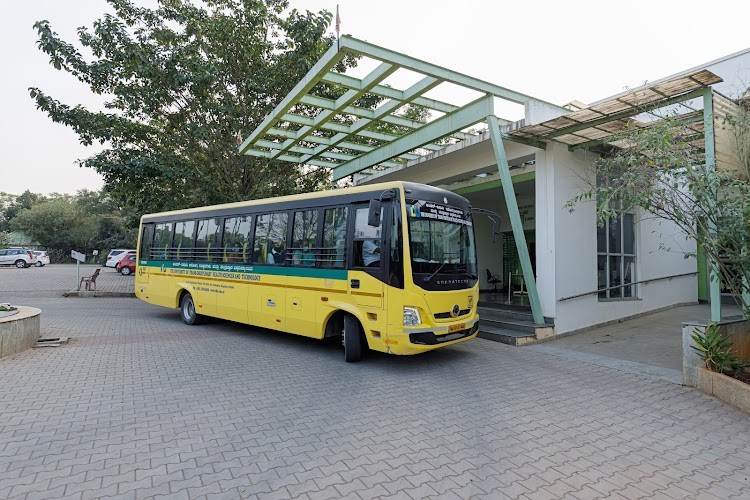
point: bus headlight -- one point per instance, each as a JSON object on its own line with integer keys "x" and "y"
{"x": 411, "y": 316}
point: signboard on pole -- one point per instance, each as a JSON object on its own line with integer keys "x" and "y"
{"x": 78, "y": 256}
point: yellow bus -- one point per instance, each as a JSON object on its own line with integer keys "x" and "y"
{"x": 387, "y": 266}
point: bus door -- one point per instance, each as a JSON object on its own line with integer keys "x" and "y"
{"x": 367, "y": 267}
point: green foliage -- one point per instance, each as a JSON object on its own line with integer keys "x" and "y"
{"x": 56, "y": 223}
{"x": 716, "y": 350}
{"x": 11, "y": 205}
{"x": 87, "y": 221}
{"x": 660, "y": 169}
{"x": 185, "y": 81}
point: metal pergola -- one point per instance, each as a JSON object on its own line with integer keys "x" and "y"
{"x": 325, "y": 122}
{"x": 322, "y": 122}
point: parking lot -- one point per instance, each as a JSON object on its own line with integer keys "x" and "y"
{"x": 139, "y": 405}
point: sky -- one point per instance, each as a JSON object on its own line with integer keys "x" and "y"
{"x": 549, "y": 49}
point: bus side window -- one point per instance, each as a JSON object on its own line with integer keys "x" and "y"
{"x": 333, "y": 251}
{"x": 270, "y": 238}
{"x": 367, "y": 240}
{"x": 147, "y": 238}
{"x": 162, "y": 241}
{"x": 208, "y": 239}
{"x": 183, "y": 240}
{"x": 237, "y": 234}
{"x": 304, "y": 251}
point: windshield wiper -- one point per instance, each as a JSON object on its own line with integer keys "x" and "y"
{"x": 428, "y": 278}
{"x": 465, "y": 269}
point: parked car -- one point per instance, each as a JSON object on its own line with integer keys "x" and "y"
{"x": 127, "y": 265}
{"x": 114, "y": 257}
{"x": 42, "y": 259}
{"x": 19, "y": 257}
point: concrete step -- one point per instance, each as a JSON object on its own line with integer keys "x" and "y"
{"x": 512, "y": 314}
{"x": 505, "y": 336}
{"x": 509, "y": 326}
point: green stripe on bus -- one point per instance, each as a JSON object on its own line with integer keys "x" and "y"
{"x": 224, "y": 267}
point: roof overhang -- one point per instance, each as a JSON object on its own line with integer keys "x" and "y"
{"x": 601, "y": 122}
{"x": 324, "y": 122}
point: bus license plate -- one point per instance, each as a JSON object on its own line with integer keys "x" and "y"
{"x": 455, "y": 328}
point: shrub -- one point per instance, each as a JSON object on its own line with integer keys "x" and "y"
{"x": 716, "y": 350}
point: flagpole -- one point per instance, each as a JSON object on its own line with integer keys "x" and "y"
{"x": 338, "y": 28}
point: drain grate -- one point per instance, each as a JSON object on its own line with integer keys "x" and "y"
{"x": 51, "y": 341}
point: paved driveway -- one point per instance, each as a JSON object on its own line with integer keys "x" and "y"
{"x": 139, "y": 405}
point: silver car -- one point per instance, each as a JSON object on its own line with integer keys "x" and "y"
{"x": 19, "y": 257}
{"x": 42, "y": 259}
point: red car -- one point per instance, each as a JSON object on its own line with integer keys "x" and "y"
{"x": 126, "y": 265}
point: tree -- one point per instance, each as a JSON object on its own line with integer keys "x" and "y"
{"x": 185, "y": 82}
{"x": 12, "y": 205}
{"x": 661, "y": 169}
{"x": 57, "y": 223}
{"x": 89, "y": 220}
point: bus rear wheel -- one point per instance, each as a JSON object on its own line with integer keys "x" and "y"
{"x": 352, "y": 340}
{"x": 187, "y": 310}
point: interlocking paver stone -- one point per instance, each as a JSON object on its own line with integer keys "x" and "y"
{"x": 139, "y": 405}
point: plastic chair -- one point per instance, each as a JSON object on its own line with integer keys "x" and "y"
{"x": 89, "y": 281}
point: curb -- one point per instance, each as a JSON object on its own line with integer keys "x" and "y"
{"x": 83, "y": 294}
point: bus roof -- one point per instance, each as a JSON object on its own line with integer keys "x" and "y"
{"x": 299, "y": 197}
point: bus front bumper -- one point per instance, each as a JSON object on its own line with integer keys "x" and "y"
{"x": 414, "y": 341}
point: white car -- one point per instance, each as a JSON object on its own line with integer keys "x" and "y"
{"x": 42, "y": 259}
{"x": 19, "y": 257}
{"x": 116, "y": 255}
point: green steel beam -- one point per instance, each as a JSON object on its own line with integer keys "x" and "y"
{"x": 289, "y": 158}
{"x": 389, "y": 92}
{"x": 294, "y": 159}
{"x": 515, "y": 219}
{"x": 304, "y": 150}
{"x": 702, "y": 273}
{"x": 464, "y": 117}
{"x": 714, "y": 284}
{"x": 377, "y": 75}
{"x": 369, "y": 114}
{"x": 369, "y": 50}
{"x": 422, "y": 86}
{"x": 622, "y": 114}
{"x": 328, "y": 61}
{"x": 290, "y": 134}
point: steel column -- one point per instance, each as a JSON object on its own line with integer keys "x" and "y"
{"x": 714, "y": 283}
{"x": 515, "y": 219}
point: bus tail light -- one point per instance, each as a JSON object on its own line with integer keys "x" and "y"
{"x": 411, "y": 316}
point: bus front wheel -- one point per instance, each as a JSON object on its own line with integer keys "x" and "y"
{"x": 187, "y": 310}
{"x": 352, "y": 340}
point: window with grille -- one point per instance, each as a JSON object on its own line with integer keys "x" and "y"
{"x": 616, "y": 258}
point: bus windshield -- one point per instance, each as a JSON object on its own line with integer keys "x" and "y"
{"x": 443, "y": 252}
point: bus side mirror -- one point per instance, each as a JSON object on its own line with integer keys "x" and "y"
{"x": 373, "y": 213}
